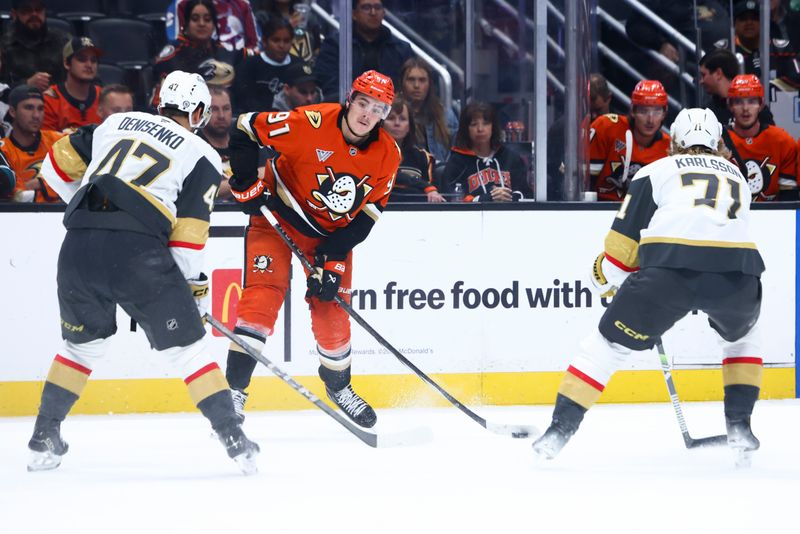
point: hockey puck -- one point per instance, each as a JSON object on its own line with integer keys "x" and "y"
{"x": 522, "y": 434}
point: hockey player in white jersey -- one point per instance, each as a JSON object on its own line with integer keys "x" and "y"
{"x": 140, "y": 190}
{"x": 679, "y": 242}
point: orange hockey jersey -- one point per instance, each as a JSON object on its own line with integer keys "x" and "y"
{"x": 322, "y": 182}
{"x": 770, "y": 155}
{"x": 62, "y": 112}
{"x": 607, "y": 151}
{"x": 27, "y": 163}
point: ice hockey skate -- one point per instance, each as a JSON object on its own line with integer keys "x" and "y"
{"x": 239, "y": 399}
{"x": 240, "y": 449}
{"x": 47, "y": 447}
{"x": 353, "y": 406}
{"x": 550, "y": 443}
{"x": 742, "y": 441}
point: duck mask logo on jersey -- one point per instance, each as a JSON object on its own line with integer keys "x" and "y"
{"x": 339, "y": 194}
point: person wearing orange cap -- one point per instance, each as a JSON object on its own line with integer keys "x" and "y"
{"x": 766, "y": 154}
{"x": 619, "y": 146}
{"x": 327, "y": 186}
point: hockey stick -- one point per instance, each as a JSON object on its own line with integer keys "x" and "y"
{"x": 411, "y": 437}
{"x": 516, "y": 431}
{"x": 691, "y": 443}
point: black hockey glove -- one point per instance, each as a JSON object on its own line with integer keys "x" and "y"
{"x": 325, "y": 278}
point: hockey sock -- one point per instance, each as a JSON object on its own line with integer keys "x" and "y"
{"x": 209, "y": 391}
{"x": 580, "y": 388}
{"x": 64, "y": 385}
{"x": 334, "y": 367}
{"x": 742, "y": 380}
{"x": 240, "y": 365}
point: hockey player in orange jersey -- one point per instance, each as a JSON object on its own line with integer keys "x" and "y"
{"x": 327, "y": 186}
{"x": 619, "y": 146}
{"x": 766, "y": 154}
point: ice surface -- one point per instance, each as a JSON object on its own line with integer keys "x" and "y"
{"x": 625, "y": 471}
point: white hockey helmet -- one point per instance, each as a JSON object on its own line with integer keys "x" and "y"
{"x": 696, "y": 126}
{"x": 185, "y": 91}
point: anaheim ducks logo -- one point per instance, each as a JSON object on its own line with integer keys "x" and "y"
{"x": 759, "y": 176}
{"x": 34, "y": 168}
{"x": 339, "y": 194}
{"x": 261, "y": 264}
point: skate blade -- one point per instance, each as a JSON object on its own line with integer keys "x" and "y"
{"x": 743, "y": 458}
{"x": 542, "y": 455}
{"x": 247, "y": 463}
{"x": 43, "y": 461}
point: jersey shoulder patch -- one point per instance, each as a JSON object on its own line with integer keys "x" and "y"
{"x": 314, "y": 117}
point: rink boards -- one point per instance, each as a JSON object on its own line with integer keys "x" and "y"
{"x": 491, "y": 304}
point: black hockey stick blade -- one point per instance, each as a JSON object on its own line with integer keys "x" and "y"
{"x": 515, "y": 431}
{"x": 690, "y": 442}
{"x": 710, "y": 441}
{"x": 414, "y": 436}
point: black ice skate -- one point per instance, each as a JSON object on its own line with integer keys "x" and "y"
{"x": 550, "y": 443}
{"x": 239, "y": 398}
{"x": 353, "y": 406}
{"x": 242, "y": 450}
{"x": 741, "y": 440}
{"x": 46, "y": 446}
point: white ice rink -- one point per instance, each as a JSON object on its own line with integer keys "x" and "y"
{"x": 626, "y": 471}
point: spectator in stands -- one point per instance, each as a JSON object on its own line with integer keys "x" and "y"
{"x": 374, "y": 48}
{"x": 785, "y": 22}
{"x": 766, "y": 154}
{"x": 114, "y": 98}
{"x": 414, "y": 179}
{"x": 197, "y": 48}
{"x": 300, "y": 88}
{"x": 712, "y": 19}
{"x": 485, "y": 168}
{"x": 31, "y": 53}
{"x": 784, "y": 69}
{"x": 217, "y": 133}
{"x": 435, "y": 125}
{"x": 717, "y": 69}
{"x": 235, "y": 24}
{"x": 599, "y": 104}
{"x": 259, "y": 78}
{"x": 306, "y": 30}
{"x": 619, "y": 146}
{"x": 73, "y": 103}
{"x": 28, "y": 144}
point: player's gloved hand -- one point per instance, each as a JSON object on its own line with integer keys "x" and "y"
{"x": 251, "y": 194}
{"x": 199, "y": 287}
{"x": 606, "y": 276}
{"x": 325, "y": 278}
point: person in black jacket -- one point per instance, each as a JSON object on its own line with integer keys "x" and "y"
{"x": 196, "y": 49}
{"x": 259, "y": 79}
{"x": 414, "y": 181}
{"x": 31, "y": 52}
{"x": 717, "y": 69}
{"x": 486, "y": 170}
{"x": 374, "y": 48}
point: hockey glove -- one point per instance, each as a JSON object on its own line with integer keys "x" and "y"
{"x": 325, "y": 278}
{"x": 606, "y": 276}
{"x": 199, "y": 287}
{"x": 251, "y": 197}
